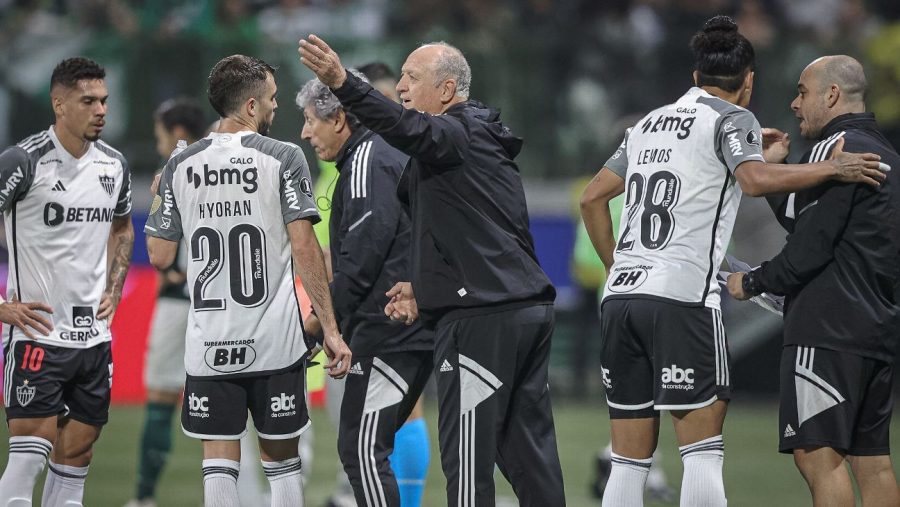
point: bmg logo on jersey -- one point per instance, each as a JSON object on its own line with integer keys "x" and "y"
{"x": 83, "y": 316}
{"x": 225, "y": 176}
{"x": 283, "y": 405}
{"x": 627, "y": 278}
{"x": 677, "y": 378}
{"x": 198, "y": 406}
{"x": 230, "y": 359}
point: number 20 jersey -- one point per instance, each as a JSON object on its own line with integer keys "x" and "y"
{"x": 681, "y": 198}
{"x": 230, "y": 196}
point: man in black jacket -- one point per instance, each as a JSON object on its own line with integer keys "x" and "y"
{"x": 475, "y": 277}
{"x": 369, "y": 253}
{"x": 840, "y": 271}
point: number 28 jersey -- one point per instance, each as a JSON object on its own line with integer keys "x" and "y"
{"x": 681, "y": 198}
{"x": 230, "y": 196}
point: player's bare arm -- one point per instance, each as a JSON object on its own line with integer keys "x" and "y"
{"x": 119, "y": 248}
{"x": 310, "y": 265}
{"x": 760, "y": 178}
{"x": 161, "y": 252}
{"x": 605, "y": 186}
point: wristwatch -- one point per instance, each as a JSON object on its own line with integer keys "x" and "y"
{"x": 751, "y": 284}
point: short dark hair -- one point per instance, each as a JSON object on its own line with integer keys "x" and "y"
{"x": 723, "y": 57}
{"x": 376, "y": 71}
{"x": 184, "y": 112}
{"x": 235, "y": 79}
{"x": 71, "y": 70}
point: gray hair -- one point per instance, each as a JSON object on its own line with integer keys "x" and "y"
{"x": 451, "y": 64}
{"x": 315, "y": 93}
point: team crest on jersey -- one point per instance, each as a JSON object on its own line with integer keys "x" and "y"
{"x": 753, "y": 138}
{"x": 108, "y": 183}
{"x": 25, "y": 393}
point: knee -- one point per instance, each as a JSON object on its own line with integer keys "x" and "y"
{"x": 817, "y": 462}
{"x": 77, "y": 456}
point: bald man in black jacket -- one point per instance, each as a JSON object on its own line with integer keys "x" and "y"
{"x": 839, "y": 272}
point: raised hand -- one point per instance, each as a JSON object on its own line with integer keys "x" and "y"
{"x": 776, "y": 145}
{"x": 857, "y": 167}
{"x": 322, "y": 60}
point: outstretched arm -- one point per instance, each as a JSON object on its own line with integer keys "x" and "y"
{"x": 438, "y": 140}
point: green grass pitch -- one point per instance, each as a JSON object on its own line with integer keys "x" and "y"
{"x": 755, "y": 474}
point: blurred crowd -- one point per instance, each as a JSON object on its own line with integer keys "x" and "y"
{"x": 570, "y": 75}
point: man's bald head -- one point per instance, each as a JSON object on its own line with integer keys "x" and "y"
{"x": 843, "y": 71}
{"x": 829, "y": 87}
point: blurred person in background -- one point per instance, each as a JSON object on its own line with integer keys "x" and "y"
{"x": 245, "y": 348}
{"x": 174, "y": 120}
{"x": 475, "y": 278}
{"x": 66, "y": 201}
{"x": 683, "y": 168}
{"x": 369, "y": 234}
{"x": 840, "y": 273}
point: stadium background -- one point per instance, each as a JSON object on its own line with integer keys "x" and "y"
{"x": 569, "y": 75}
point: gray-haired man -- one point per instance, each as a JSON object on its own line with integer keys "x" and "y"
{"x": 370, "y": 236}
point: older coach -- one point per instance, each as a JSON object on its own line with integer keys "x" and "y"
{"x": 475, "y": 277}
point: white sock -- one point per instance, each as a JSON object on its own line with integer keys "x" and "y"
{"x": 64, "y": 486}
{"x": 220, "y": 483}
{"x": 285, "y": 481}
{"x": 626, "y": 482}
{"x": 702, "y": 484}
{"x": 27, "y": 456}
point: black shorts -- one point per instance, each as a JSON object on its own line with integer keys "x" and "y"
{"x": 216, "y": 408}
{"x": 661, "y": 356}
{"x": 41, "y": 380}
{"x": 834, "y": 399}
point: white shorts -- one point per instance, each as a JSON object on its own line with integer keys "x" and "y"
{"x": 164, "y": 368}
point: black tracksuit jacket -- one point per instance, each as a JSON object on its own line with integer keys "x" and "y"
{"x": 841, "y": 265}
{"x": 370, "y": 247}
{"x": 472, "y": 252}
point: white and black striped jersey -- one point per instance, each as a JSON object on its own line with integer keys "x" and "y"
{"x": 230, "y": 196}
{"x": 58, "y": 211}
{"x": 681, "y": 198}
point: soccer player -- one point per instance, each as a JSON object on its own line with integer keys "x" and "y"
{"x": 683, "y": 168}
{"x": 475, "y": 277}
{"x": 839, "y": 272}
{"x": 66, "y": 201}
{"x": 243, "y": 203}
{"x": 370, "y": 236}
{"x": 174, "y": 120}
